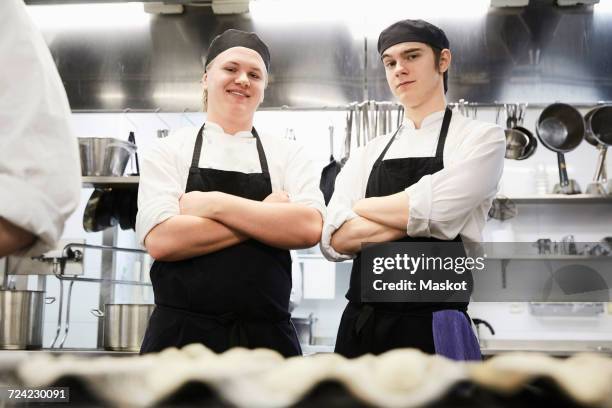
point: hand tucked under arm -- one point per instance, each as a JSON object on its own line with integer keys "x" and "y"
{"x": 274, "y": 222}
{"x": 13, "y": 238}
{"x": 185, "y": 236}
{"x": 349, "y": 237}
{"x": 392, "y": 211}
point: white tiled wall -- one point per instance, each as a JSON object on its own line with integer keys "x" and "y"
{"x": 585, "y": 222}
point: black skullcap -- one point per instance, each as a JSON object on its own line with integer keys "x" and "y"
{"x": 237, "y": 38}
{"x": 414, "y": 31}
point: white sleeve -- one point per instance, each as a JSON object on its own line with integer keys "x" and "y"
{"x": 440, "y": 202}
{"x": 348, "y": 189}
{"x": 40, "y": 178}
{"x": 301, "y": 179}
{"x": 160, "y": 187}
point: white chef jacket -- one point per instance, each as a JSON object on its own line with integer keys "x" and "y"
{"x": 453, "y": 201}
{"x": 165, "y": 167}
{"x": 39, "y": 162}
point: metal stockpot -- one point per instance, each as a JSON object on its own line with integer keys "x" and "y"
{"x": 124, "y": 325}
{"x": 21, "y": 318}
{"x": 104, "y": 156}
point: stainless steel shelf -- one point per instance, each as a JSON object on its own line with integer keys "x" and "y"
{"x": 102, "y": 182}
{"x": 560, "y": 199}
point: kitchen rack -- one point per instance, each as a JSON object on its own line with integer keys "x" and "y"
{"x": 106, "y": 281}
{"x": 559, "y": 199}
{"x": 342, "y": 108}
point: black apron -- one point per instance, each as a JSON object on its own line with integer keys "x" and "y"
{"x": 238, "y": 296}
{"x": 379, "y": 327}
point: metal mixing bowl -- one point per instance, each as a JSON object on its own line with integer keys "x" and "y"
{"x": 104, "y": 156}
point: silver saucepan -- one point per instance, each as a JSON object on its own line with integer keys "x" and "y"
{"x": 560, "y": 128}
{"x": 598, "y": 122}
{"x": 520, "y": 142}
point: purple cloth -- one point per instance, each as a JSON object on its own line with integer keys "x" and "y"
{"x": 453, "y": 336}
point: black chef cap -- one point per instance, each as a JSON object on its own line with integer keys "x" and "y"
{"x": 237, "y": 38}
{"x": 413, "y": 31}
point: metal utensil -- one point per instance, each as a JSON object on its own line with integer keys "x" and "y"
{"x": 560, "y": 128}
{"x": 358, "y": 124}
{"x": 347, "y": 136}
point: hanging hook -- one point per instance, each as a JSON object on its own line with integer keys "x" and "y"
{"x": 125, "y": 114}
{"x": 160, "y": 118}
{"x": 187, "y": 117}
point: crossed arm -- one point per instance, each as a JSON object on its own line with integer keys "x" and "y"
{"x": 211, "y": 221}
{"x": 380, "y": 219}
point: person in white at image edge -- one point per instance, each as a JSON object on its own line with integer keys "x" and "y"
{"x": 39, "y": 163}
{"x": 219, "y": 207}
{"x": 435, "y": 182}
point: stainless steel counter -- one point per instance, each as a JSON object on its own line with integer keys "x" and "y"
{"x": 489, "y": 348}
{"x": 553, "y": 347}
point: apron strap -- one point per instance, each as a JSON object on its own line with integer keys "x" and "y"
{"x": 382, "y": 155}
{"x": 263, "y": 162}
{"x": 441, "y": 139}
{"x": 443, "y": 132}
{"x": 197, "y": 151}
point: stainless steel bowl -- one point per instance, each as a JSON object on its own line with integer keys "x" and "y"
{"x": 104, "y": 156}
{"x": 124, "y": 325}
{"x": 21, "y": 317}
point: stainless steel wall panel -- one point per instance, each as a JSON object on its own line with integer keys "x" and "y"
{"x": 536, "y": 54}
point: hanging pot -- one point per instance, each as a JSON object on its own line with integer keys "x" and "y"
{"x": 560, "y": 128}
{"x": 520, "y": 142}
{"x": 598, "y": 133}
{"x": 124, "y": 325}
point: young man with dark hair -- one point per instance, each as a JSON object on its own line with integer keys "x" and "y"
{"x": 432, "y": 180}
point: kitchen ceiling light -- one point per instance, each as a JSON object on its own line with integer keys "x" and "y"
{"x": 570, "y": 3}
{"x": 162, "y": 8}
{"x": 230, "y": 6}
{"x": 509, "y": 3}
